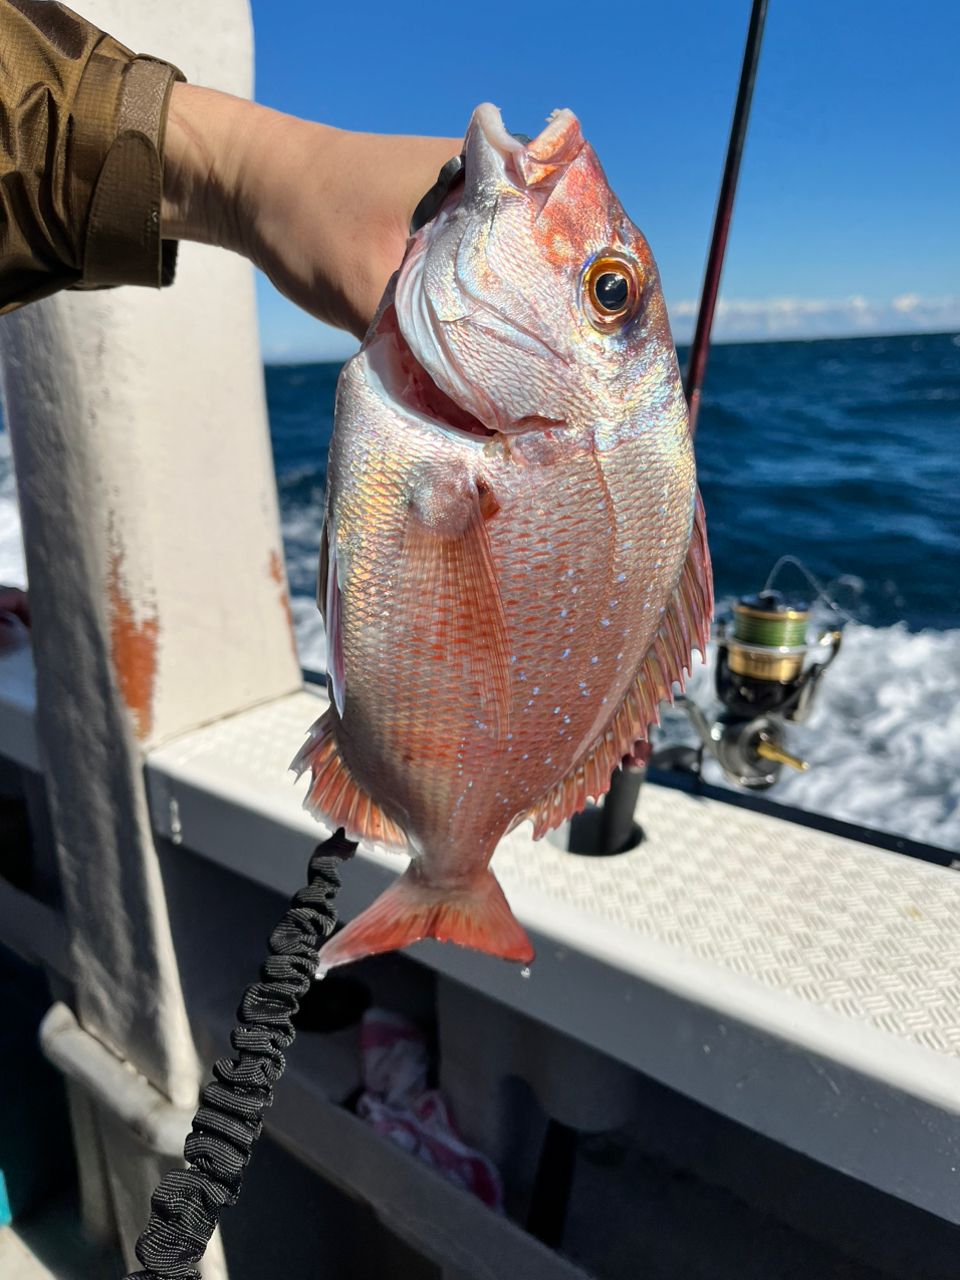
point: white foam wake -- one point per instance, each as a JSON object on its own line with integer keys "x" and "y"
{"x": 311, "y": 640}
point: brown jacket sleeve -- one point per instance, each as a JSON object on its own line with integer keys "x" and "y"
{"x": 81, "y": 140}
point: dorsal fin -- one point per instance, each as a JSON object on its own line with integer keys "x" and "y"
{"x": 335, "y": 796}
{"x": 685, "y": 627}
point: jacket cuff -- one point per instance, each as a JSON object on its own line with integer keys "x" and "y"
{"x": 116, "y": 169}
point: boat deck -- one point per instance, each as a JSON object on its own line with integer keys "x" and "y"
{"x": 800, "y": 983}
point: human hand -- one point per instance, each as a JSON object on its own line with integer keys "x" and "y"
{"x": 324, "y": 213}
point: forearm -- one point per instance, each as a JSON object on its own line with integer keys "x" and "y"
{"x": 211, "y": 139}
{"x": 322, "y": 211}
{"x": 99, "y": 190}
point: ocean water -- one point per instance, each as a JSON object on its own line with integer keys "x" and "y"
{"x": 845, "y": 454}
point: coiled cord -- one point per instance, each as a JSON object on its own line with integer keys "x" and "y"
{"x": 186, "y": 1206}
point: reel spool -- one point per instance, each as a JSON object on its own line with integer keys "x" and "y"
{"x": 764, "y": 680}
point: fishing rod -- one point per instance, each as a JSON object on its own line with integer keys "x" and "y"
{"x": 617, "y": 830}
{"x": 697, "y": 363}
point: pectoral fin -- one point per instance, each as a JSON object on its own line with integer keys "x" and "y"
{"x": 454, "y": 602}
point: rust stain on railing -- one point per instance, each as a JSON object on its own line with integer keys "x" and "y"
{"x": 133, "y": 648}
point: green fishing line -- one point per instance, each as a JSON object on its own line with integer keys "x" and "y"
{"x": 783, "y": 631}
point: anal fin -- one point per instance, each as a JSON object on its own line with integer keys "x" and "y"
{"x": 335, "y": 795}
{"x": 476, "y": 916}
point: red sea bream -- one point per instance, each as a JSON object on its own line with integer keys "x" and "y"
{"x": 514, "y": 567}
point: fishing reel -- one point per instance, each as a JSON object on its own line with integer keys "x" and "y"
{"x": 764, "y": 680}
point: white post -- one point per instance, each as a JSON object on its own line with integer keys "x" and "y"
{"x": 155, "y": 562}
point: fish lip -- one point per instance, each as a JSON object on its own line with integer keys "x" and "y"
{"x": 491, "y": 128}
{"x": 522, "y": 163}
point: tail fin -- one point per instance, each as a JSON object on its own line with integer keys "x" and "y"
{"x": 478, "y": 916}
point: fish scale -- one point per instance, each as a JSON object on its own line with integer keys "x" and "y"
{"x": 514, "y": 566}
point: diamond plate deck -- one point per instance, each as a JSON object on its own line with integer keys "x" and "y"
{"x": 870, "y": 936}
{"x": 741, "y": 905}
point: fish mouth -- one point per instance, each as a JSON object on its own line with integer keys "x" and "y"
{"x": 532, "y": 164}
{"x": 411, "y": 387}
{"x": 487, "y": 124}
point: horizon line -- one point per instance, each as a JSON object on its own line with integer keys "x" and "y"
{"x": 280, "y": 362}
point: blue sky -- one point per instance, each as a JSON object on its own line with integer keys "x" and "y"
{"x": 847, "y": 212}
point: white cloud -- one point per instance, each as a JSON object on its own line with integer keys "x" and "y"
{"x": 299, "y": 338}
{"x": 740, "y": 319}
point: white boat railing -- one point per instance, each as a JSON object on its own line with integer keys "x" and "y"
{"x": 149, "y": 512}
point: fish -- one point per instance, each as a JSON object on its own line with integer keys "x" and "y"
{"x": 514, "y": 568}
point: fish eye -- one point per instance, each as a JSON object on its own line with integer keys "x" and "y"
{"x": 612, "y": 291}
